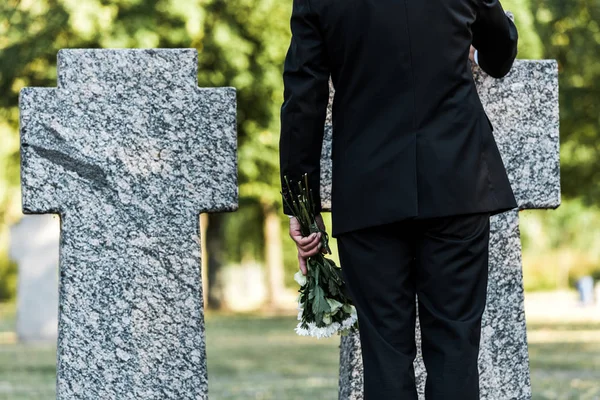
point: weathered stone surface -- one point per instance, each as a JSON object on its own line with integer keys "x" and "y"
{"x": 523, "y": 108}
{"x": 34, "y": 246}
{"x": 128, "y": 150}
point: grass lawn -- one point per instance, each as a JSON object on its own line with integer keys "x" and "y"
{"x": 268, "y": 361}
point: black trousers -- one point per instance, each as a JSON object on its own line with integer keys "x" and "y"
{"x": 444, "y": 261}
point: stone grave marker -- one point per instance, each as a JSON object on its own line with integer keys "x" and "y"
{"x": 128, "y": 150}
{"x": 34, "y": 246}
{"x": 523, "y": 108}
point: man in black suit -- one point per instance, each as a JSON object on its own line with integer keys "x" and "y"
{"x": 416, "y": 173}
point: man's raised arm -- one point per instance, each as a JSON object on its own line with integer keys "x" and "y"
{"x": 495, "y": 37}
{"x": 304, "y": 109}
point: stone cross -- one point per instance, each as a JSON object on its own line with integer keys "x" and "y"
{"x": 128, "y": 150}
{"x": 523, "y": 108}
{"x": 34, "y": 246}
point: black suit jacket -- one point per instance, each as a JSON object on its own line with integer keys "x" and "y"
{"x": 410, "y": 135}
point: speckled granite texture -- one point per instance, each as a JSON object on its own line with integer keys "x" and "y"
{"x": 523, "y": 108}
{"x": 128, "y": 150}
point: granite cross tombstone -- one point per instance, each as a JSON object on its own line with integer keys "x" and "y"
{"x": 523, "y": 108}
{"x": 128, "y": 150}
{"x": 34, "y": 245}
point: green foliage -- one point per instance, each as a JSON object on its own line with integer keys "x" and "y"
{"x": 530, "y": 45}
{"x": 27, "y": 52}
{"x": 240, "y": 248}
{"x": 241, "y": 43}
{"x": 570, "y": 33}
{"x": 561, "y": 245}
{"x": 244, "y": 46}
{"x": 8, "y": 278}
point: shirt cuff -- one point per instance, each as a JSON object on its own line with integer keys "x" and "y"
{"x": 291, "y": 216}
{"x": 475, "y": 56}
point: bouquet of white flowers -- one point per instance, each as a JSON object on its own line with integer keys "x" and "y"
{"x": 324, "y": 307}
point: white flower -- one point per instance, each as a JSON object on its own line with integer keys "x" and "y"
{"x": 330, "y": 328}
{"x": 300, "y": 278}
{"x": 348, "y": 322}
{"x": 301, "y": 331}
{"x": 324, "y": 332}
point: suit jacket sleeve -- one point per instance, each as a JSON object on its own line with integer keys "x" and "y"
{"x": 304, "y": 109}
{"x": 495, "y": 37}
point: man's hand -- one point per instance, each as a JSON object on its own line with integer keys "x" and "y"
{"x": 307, "y": 246}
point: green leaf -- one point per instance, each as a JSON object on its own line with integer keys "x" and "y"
{"x": 319, "y": 304}
{"x": 333, "y": 288}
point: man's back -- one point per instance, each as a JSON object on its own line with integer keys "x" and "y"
{"x": 410, "y": 137}
{"x": 401, "y": 60}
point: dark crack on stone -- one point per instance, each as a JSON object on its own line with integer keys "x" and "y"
{"x": 87, "y": 171}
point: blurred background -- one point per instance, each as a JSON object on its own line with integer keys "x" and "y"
{"x": 248, "y": 278}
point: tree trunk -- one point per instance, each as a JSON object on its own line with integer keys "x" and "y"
{"x": 204, "y": 255}
{"x": 214, "y": 260}
{"x": 273, "y": 257}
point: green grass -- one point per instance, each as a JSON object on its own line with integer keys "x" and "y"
{"x": 565, "y": 370}
{"x": 248, "y": 358}
{"x": 268, "y": 361}
{"x": 262, "y": 358}
{"x": 27, "y": 372}
{"x": 564, "y": 326}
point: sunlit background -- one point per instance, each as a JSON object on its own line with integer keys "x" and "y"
{"x": 253, "y": 352}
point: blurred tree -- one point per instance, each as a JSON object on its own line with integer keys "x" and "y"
{"x": 530, "y": 44}
{"x": 559, "y": 244}
{"x": 31, "y": 33}
{"x": 242, "y": 43}
{"x": 27, "y": 52}
{"x": 570, "y": 33}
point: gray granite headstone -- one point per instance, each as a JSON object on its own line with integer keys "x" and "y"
{"x": 523, "y": 108}
{"x": 34, "y": 246}
{"x": 128, "y": 150}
